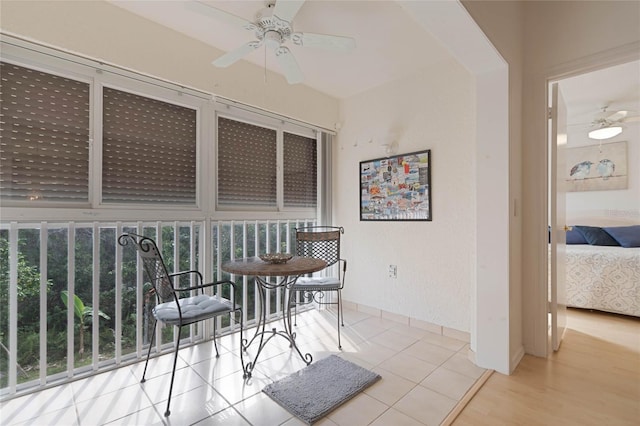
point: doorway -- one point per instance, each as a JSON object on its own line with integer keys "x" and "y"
{"x": 608, "y": 96}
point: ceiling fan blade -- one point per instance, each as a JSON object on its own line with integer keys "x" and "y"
{"x": 631, "y": 119}
{"x": 219, "y": 14}
{"x": 287, "y": 9}
{"x": 289, "y": 65}
{"x": 324, "y": 41}
{"x": 618, "y": 115}
{"x": 233, "y": 56}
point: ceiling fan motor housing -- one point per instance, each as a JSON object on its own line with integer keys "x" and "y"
{"x": 267, "y": 24}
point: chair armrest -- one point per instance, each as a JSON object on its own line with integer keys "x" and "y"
{"x": 177, "y": 274}
{"x": 344, "y": 269}
{"x": 212, "y": 284}
{"x": 181, "y": 273}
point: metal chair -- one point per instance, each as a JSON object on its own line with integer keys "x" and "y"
{"x": 179, "y": 306}
{"x": 322, "y": 242}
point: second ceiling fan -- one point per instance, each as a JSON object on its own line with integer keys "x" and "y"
{"x": 273, "y": 28}
{"x": 608, "y": 124}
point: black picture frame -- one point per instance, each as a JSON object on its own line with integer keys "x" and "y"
{"x": 396, "y": 188}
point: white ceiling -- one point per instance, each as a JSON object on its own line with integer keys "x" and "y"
{"x": 390, "y": 45}
{"x": 617, "y": 88}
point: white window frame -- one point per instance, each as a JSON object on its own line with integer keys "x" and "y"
{"x": 73, "y": 74}
{"x": 280, "y": 126}
{"x": 158, "y": 94}
{"x": 98, "y": 75}
{"x": 70, "y": 66}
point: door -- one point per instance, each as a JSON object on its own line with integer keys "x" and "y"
{"x": 557, "y": 217}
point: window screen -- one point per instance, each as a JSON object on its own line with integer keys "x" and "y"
{"x": 149, "y": 150}
{"x": 300, "y": 171}
{"x": 246, "y": 164}
{"x": 44, "y": 136}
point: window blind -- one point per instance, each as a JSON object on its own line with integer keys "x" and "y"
{"x": 149, "y": 150}
{"x": 44, "y": 136}
{"x": 247, "y": 164}
{"x": 300, "y": 171}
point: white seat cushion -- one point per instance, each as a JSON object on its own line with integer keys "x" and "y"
{"x": 193, "y": 309}
{"x": 317, "y": 283}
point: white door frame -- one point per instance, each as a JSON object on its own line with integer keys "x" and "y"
{"x": 595, "y": 62}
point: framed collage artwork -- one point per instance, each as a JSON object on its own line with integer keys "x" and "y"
{"x": 396, "y": 188}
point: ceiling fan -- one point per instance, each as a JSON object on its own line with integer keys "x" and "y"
{"x": 273, "y": 28}
{"x": 608, "y": 124}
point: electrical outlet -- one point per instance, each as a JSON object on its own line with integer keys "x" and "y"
{"x": 393, "y": 271}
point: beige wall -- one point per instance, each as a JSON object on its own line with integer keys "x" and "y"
{"x": 102, "y": 31}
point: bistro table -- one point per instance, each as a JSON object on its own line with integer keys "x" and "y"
{"x": 287, "y": 274}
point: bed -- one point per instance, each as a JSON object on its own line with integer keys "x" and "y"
{"x": 606, "y": 278}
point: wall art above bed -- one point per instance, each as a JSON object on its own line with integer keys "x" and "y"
{"x": 597, "y": 167}
{"x": 396, "y": 188}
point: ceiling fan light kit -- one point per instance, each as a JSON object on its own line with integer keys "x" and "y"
{"x": 605, "y": 132}
{"x": 273, "y": 29}
{"x": 610, "y": 124}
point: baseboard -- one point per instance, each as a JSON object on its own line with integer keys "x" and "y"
{"x": 516, "y": 358}
{"x": 412, "y": 322}
{"x": 471, "y": 355}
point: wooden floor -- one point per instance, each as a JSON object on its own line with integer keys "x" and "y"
{"x": 593, "y": 380}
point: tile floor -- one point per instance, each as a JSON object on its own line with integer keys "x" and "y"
{"x": 424, "y": 375}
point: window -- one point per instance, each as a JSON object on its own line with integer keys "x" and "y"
{"x": 149, "y": 150}
{"x": 248, "y": 165}
{"x": 148, "y": 146}
{"x": 78, "y": 134}
{"x": 300, "y": 171}
{"x": 44, "y": 136}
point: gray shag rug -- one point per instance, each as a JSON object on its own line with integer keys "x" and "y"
{"x": 320, "y": 387}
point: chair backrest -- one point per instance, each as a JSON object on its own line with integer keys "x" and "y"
{"x": 321, "y": 242}
{"x": 153, "y": 264}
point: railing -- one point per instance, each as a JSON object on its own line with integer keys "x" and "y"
{"x": 44, "y": 265}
